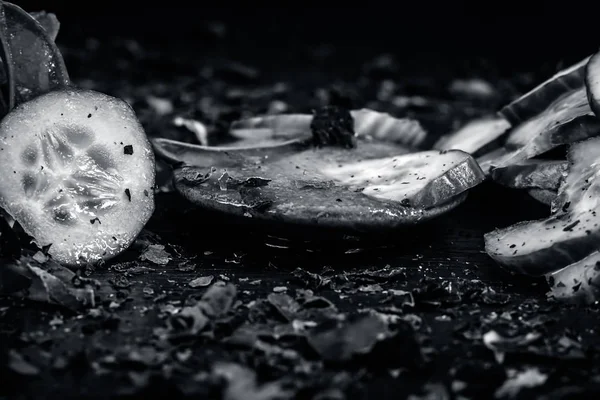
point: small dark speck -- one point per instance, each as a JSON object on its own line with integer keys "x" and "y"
{"x": 145, "y": 193}
{"x": 114, "y": 238}
{"x": 512, "y": 246}
{"x": 128, "y": 193}
{"x": 96, "y": 108}
{"x": 95, "y": 220}
{"x": 128, "y": 149}
{"x": 338, "y": 200}
{"x": 570, "y": 226}
{"x": 89, "y": 115}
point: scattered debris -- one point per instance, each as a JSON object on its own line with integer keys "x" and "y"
{"x": 518, "y": 380}
{"x": 156, "y": 254}
{"x": 201, "y": 281}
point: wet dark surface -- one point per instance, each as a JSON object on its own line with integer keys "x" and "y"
{"x": 421, "y": 304}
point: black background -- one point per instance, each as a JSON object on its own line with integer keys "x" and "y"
{"x": 507, "y": 32}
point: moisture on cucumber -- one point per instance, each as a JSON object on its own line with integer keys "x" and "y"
{"x": 577, "y": 283}
{"x": 476, "y": 137}
{"x": 78, "y": 174}
{"x": 540, "y": 174}
{"x": 540, "y": 97}
{"x": 571, "y": 233}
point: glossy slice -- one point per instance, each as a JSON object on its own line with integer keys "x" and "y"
{"x": 567, "y": 120}
{"x": 571, "y": 233}
{"x": 36, "y": 63}
{"x": 78, "y": 174}
{"x": 538, "y": 99}
{"x": 540, "y": 174}
{"x": 475, "y": 137}
{"x": 374, "y": 186}
{"x": 577, "y": 283}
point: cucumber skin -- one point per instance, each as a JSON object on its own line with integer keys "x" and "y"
{"x": 593, "y": 100}
{"x": 547, "y": 176}
{"x": 543, "y": 261}
{"x": 540, "y": 97}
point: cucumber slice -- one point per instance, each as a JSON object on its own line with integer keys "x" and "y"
{"x": 567, "y": 120}
{"x": 582, "y": 158}
{"x": 567, "y": 236}
{"x": 541, "y": 174}
{"x": 592, "y": 82}
{"x": 476, "y": 137}
{"x": 273, "y": 129}
{"x": 423, "y": 180}
{"x": 36, "y": 63}
{"x": 78, "y": 174}
{"x": 373, "y": 186}
{"x": 577, "y": 283}
{"x": 539, "y": 98}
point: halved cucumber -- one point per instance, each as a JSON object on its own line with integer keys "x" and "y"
{"x": 570, "y": 234}
{"x": 78, "y": 174}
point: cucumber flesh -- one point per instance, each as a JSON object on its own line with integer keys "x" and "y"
{"x": 373, "y": 186}
{"x": 540, "y": 97}
{"x": 79, "y": 174}
{"x": 577, "y": 283}
{"x": 273, "y": 129}
{"x": 424, "y": 179}
{"x": 540, "y": 174}
{"x": 567, "y": 120}
{"x": 570, "y": 234}
{"x": 476, "y": 136}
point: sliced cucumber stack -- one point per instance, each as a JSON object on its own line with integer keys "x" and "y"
{"x": 567, "y": 236}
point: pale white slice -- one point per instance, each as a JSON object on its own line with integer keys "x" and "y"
{"x": 78, "y": 174}
{"x": 422, "y": 179}
{"x": 570, "y": 234}
{"x": 577, "y": 283}
{"x": 474, "y": 135}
